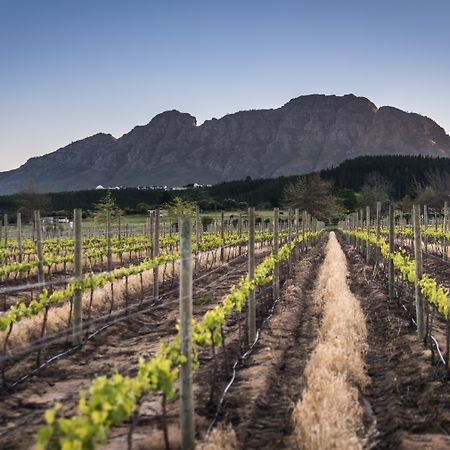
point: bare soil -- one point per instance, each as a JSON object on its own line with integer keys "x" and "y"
{"x": 117, "y": 348}
{"x": 261, "y": 400}
{"x": 269, "y": 377}
{"x": 406, "y": 403}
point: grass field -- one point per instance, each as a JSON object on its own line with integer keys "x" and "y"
{"x": 140, "y": 219}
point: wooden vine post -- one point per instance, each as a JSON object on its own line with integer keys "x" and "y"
{"x": 19, "y": 236}
{"x": 419, "y": 273}
{"x": 77, "y": 326}
{"x": 150, "y": 230}
{"x": 368, "y": 233}
{"x": 444, "y": 229}
{"x": 297, "y": 228}
{"x": 378, "y": 229}
{"x": 351, "y": 219}
{"x": 222, "y": 235}
{"x": 290, "y": 238}
{"x": 391, "y": 250}
{"x": 108, "y": 240}
{"x": 5, "y": 224}
{"x": 119, "y": 227}
{"x": 251, "y": 275}
{"x": 41, "y": 278}
{"x": 304, "y": 246}
{"x": 276, "y": 270}
{"x": 198, "y": 225}
{"x": 40, "y": 254}
{"x": 156, "y": 254}
{"x": 425, "y": 226}
{"x": 240, "y": 231}
{"x": 187, "y": 424}
{"x": 361, "y": 218}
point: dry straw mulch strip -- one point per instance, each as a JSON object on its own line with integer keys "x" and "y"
{"x": 329, "y": 415}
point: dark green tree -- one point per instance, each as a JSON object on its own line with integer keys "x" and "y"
{"x": 348, "y": 199}
{"x": 180, "y": 207}
{"x": 312, "y": 194}
{"x": 105, "y": 205}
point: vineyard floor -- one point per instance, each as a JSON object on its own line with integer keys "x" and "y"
{"x": 118, "y": 347}
{"x": 272, "y": 379}
{"x": 275, "y": 358}
{"x": 407, "y": 402}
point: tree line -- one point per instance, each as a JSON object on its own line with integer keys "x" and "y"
{"x": 329, "y": 193}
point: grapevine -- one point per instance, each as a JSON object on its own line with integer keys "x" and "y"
{"x": 110, "y": 401}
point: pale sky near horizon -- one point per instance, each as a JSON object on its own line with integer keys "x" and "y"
{"x": 72, "y": 69}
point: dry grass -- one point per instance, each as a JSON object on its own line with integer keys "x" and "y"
{"x": 153, "y": 440}
{"x": 103, "y": 262}
{"x": 329, "y": 415}
{"x": 28, "y": 330}
{"x": 219, "y": 439}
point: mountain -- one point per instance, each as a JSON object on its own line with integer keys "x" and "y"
{"x": 308, "y": 133}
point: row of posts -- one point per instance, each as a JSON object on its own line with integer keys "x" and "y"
{"x": 357, "y": 221}
{"x": 187, "y": 416}
{"x": 222, "y": 224}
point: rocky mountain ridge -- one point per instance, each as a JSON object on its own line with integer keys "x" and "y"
{"x": 306, "y": 134}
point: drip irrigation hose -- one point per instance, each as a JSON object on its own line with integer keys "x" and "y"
{"x": 238, "y": 362}
{"x": 120, "y": 319}
{"x": 435, "y": 342}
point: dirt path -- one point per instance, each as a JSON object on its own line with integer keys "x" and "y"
{"x": 260, "y": 403}
{"x": 407, "y": 400}
{"x": 329, "y": 415}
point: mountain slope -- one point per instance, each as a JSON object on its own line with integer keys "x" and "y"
{"x": 308, "y": 133}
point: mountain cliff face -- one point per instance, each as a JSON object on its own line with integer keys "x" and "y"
{"x": 308, "y": 133}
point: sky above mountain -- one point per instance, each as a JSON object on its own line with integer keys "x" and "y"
{"x": 72, "y": 69}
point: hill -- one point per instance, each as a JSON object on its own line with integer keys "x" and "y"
{"x": 402, "y": 173}
{"x": 307, "y": 134}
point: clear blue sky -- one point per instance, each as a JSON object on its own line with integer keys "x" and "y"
{"x": 70, "y": 69}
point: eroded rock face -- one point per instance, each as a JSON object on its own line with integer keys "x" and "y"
{"x": 308, "y": 133}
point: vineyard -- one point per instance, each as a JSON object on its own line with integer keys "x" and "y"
{"x": 241, "y": 334}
